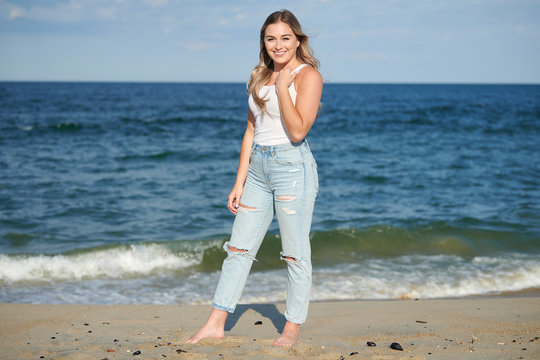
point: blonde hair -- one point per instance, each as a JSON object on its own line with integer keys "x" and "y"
{"x": 263, "y": 71}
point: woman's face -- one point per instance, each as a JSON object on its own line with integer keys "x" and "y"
{"x": 280, "y": 43}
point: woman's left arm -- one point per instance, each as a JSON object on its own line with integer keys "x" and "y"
{"x": 299, "y": 119}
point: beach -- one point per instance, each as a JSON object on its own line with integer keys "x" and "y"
{"x": 472, "y": 328}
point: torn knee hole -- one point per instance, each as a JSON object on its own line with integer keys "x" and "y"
{"x": 235, "y": 249}
{"x": 287, "y": 257}
{"x": 285, "y": 197}
{"x": 295, "y": 262}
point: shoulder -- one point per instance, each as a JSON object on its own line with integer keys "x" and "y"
{"x": 308, "y": 77}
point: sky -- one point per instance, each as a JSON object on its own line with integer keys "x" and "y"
{"x": 363, "y": 41}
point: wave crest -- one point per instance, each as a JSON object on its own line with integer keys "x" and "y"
{"x": 115, "y": 263}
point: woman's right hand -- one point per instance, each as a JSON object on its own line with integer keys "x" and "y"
{"x": 234, "y": 198}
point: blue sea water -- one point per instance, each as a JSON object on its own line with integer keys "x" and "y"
{"x": 116, "y": 192}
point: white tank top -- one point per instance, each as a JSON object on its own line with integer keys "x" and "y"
{"x": 269, "y": 128}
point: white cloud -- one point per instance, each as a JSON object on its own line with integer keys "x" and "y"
{"x": 16, "y": 12}
{"x": 10, "y": 11}
{"x": 63, "y": 12}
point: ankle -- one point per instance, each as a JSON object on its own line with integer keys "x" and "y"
{"x": 217, "y": 318}
{"x": 289, "y": 326}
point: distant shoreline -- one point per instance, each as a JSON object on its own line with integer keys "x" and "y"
{"x": 243, "y": 83}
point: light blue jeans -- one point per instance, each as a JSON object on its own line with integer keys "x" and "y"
{"x": 282, "y": 180}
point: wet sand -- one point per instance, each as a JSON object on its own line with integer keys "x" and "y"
{"x": 482, "y": 328}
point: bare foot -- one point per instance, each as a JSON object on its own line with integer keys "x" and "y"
{"x": 214, "y": 327}
{"x": 207, "y": 332}
{"x": 289, "y": 335}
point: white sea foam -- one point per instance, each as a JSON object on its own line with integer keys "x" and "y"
{"x": 427, "y": 277}
{"x": 148, "y": 274}
{"x": 116, "y": 263}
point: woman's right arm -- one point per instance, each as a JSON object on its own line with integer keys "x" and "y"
{"x": 243, "y": 165}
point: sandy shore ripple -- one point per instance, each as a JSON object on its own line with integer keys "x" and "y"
{"x": 484, "y": 328}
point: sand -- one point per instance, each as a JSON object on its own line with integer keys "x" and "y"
{"x": 480, "y": 328}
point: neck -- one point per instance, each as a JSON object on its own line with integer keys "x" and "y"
{"x": 292, "y": 64}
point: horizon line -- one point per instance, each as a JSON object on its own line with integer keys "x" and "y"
{"x": 240, "y": 82}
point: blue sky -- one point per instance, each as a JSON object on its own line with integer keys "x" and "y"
{"x": 452, "y": 41}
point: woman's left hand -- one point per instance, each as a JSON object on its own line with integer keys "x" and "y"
{"x": 285, "y": 78}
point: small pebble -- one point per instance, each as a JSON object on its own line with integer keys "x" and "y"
{"x": 341, "y": 358}
{"x": 258, "y": 322}
{"x": 115, "y": 340}
{"x": 396, "y": 346}
{"x": 353, "y": 353}
{"x": 53, "y": 337}
{"x": 111, "y": 350}
{"x": 179, "y": 351}
{"x": 371, "y": 343}
{"x": 86, "y": 324}
{"x": 138, "y": 352}
{"x": 524, "y": 349}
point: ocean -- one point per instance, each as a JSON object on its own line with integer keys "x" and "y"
{"x": 116, "y": 193}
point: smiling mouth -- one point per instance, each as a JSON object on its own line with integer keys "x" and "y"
{"x": 279, "y": 53}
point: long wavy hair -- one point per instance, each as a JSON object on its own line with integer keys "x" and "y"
{"x": 263, "y": 71}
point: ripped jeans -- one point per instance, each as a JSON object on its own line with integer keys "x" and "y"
{"x": 282, "y": 180}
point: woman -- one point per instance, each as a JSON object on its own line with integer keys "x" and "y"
{"x": 276, "y": 172}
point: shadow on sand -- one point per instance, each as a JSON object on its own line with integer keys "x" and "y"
{"x": 269, "y": 311}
